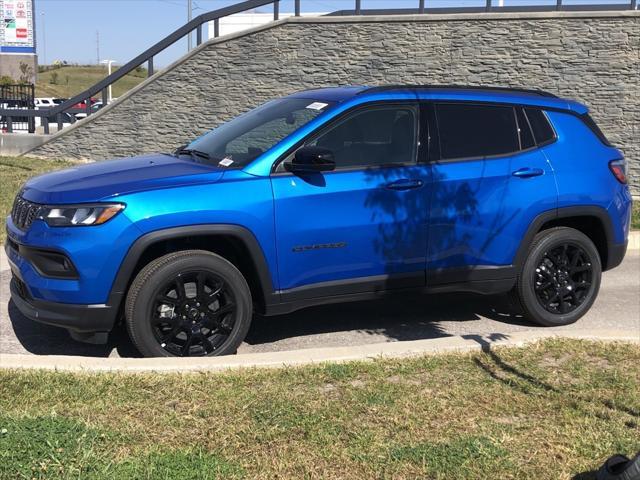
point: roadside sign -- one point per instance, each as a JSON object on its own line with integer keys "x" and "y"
{"x": 17, "y": 26}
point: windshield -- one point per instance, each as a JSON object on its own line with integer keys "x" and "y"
{"x": 238, "y": 142}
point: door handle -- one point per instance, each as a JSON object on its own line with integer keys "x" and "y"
{"x": 404, "y": 184}
{"x": 527, "y": 172}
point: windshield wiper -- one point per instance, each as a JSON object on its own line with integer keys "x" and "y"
{"x": 193, "y": 153}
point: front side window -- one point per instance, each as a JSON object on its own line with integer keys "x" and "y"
{"x": 374, "y": 136}
{"x": 472, "y": 131}
{"x": 243, "y": 139}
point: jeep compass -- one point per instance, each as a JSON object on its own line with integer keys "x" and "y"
{"x": 328, "y": 195}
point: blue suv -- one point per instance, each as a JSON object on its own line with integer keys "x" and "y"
{"x": 328, "y": 195}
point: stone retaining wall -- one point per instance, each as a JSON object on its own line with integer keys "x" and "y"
{"x": 592, "y": 57}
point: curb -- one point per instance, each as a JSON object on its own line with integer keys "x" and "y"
{"x": 4, "y": 265}
{"x": 634, "y": 240}
{"x": 390, "y": 350}
{"x": 634, "y": 244}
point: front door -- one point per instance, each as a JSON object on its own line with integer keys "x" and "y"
{"x": 362, "y": 227}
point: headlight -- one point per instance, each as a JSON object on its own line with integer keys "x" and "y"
{"x": 79, "y": 215}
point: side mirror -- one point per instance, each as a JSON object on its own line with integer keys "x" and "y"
{"x": 310, "y": 160}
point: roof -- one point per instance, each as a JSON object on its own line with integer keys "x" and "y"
{"x": 461, "y": 88}
{"x": 513, "y": 95}
{"x": 333, "y": 94}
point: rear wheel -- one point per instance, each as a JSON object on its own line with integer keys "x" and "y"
{"x": 560, "y": 278}
{"x": 189, "y": 303}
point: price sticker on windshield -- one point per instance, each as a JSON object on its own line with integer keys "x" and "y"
{"x": 317, "y": 106}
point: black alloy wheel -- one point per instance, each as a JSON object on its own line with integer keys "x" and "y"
{"x": 187, "y": 304}
{"x": 193, "y": 314}
{"x": 563, "y": 278}
{"x": 560, "y": 278}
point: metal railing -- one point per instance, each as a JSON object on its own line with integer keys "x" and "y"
{"x": 17, "y": 97}
{"x": 101, "y": 88}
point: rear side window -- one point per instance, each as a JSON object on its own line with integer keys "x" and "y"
{"x": 589, "y": 122}
{"x": 542, "y": 130}
{"x": 469, "y": 131}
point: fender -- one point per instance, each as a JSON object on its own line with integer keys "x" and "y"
{"x": 123, "y": 277}
{"x": 566, "y": 212}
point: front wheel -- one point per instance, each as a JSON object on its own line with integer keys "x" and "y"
{"x": 189, "y": 303}
{"x": 560, "y": 278}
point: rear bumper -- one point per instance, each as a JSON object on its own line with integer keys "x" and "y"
{"x": 89, "y": 323}
{"x": 615, "y": 255}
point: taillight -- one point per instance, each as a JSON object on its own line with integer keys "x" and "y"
{"x": 619, "y": 169}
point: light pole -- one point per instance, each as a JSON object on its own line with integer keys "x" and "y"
{"x": 189, "y": 17}
{"x": 108, "y": 63}
{"x": 44, "y": 40}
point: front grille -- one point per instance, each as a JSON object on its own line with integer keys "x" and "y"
{"x": 24, "y": 212}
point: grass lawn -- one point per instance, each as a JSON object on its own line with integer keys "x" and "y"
{"x": 549, "y": 411}
{"x": 635, "y": 216}
{"x": 72, "y": 80}
{"x": 14, "y": 171}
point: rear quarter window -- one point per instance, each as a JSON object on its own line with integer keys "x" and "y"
{"x": 542, "y": 129}
{"x": 524, "y": 129}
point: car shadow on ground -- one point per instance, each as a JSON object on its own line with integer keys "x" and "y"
{"x": 397, "y": 318}
{"x": 42, "y": 339}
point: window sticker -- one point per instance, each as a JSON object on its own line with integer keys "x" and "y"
{"x": 317, "y": 106}
{"x": 225, "y": 162}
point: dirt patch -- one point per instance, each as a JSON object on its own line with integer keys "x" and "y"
{"x": 407, "y": 380}
{"x": 328, "y": 388}
{"x": 550, "y": 361}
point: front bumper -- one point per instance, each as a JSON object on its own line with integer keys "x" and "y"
{"x": 88, "y": 323}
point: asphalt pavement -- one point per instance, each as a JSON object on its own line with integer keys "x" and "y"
{"x": 400, "y": 319}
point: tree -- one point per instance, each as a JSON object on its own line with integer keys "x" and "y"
{"x": 53, "y": 80}
{"x": 26, "y": 73}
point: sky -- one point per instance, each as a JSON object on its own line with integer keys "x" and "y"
{"x": 69, "y": 29}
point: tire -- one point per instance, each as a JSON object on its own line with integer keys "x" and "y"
{"x": 188, "y": 303}
{"x": 620, "y": 467}
{"x": 560, "y": 278}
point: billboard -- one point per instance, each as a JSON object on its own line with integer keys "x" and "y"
{"x": 17, "y": 26}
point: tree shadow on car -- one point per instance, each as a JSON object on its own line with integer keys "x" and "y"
{"x": 40, "y": 339}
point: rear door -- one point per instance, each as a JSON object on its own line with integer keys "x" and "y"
{"x": 489, "y": 180}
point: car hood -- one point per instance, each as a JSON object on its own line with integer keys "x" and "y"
{"x": 110, "y": 179}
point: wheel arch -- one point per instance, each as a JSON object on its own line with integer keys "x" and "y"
{"x": 232, "y": 242}
{"x": 591, "y": 220}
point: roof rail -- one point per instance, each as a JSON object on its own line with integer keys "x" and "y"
{"x": 383, "y": 88}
